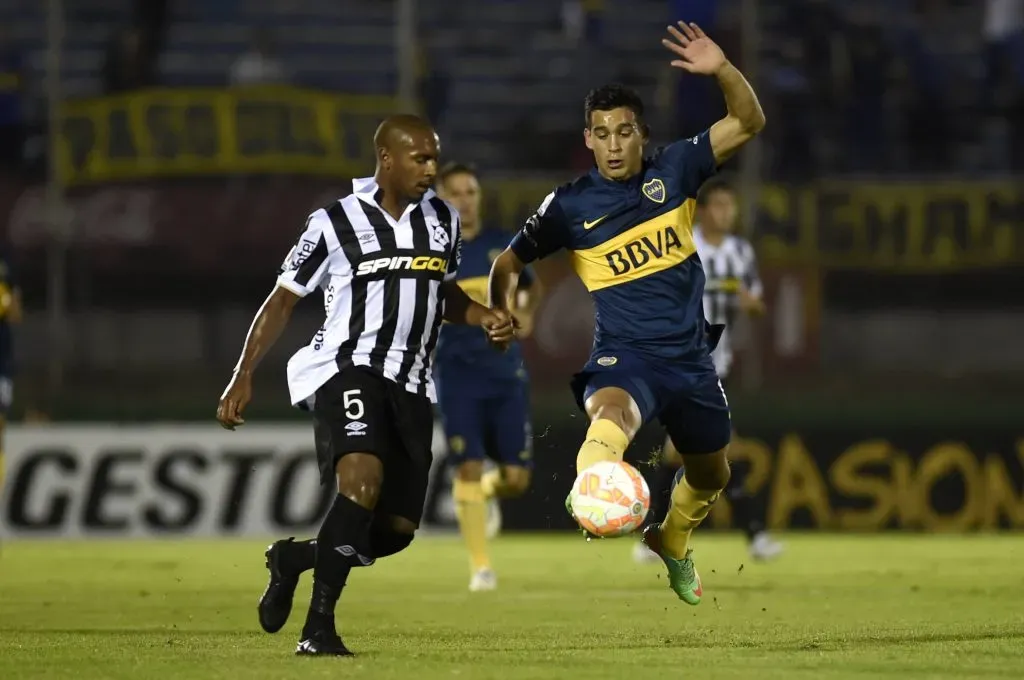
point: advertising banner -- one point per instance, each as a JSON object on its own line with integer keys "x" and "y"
{"x": 198, "y": 480}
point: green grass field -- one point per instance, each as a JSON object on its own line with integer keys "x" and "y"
{"x": 896, "y": 606}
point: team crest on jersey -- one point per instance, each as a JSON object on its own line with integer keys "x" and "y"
{"x": 607, "y": 361}
{"x": 655, "y": 190}
{"x": 438, "y": 232}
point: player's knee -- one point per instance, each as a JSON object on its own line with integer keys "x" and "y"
{"x": 391, "y": 534}
{"x": 619, "y": 415}
{"x": 615, "y": 405}
{"x": 360, "y": 476}
{"x": 516, "y": 480}
{"x": 470, "y": 470}
{"x": 384, "y": 542}
{"x": 708, "y": 471}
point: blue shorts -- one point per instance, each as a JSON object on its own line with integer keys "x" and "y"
{"x": 688, "y": 401}
{"x": 485, "y": 418}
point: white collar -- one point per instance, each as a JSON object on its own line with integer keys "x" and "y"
{"x": 367, "y": 187}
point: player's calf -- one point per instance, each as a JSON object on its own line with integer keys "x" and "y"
{"x": 343, "y": 543}
{"x": 703, "y": 479}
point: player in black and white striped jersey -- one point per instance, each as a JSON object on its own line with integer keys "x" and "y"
{"x": 386, "y": 259}
{"x": 732, "y": 287}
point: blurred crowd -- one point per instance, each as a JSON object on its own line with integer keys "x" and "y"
{"x": 873, "y": 86}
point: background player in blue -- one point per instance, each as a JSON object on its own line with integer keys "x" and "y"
{"x": 627, "y": 225}
{"x": 10, "y": 315}
{"x": 483, "y": 394}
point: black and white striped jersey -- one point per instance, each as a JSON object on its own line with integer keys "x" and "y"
{"x": 728, "y": 267}
{"x": 381, "y": 281}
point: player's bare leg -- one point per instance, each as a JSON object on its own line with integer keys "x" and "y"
{"x": 706, "y": 475}
{"x": 614, "y": 421}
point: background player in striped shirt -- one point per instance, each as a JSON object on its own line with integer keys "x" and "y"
{"x": 483, "y": 394}
{"x": 386, "y": 258}
{"x": 732, "y": 287}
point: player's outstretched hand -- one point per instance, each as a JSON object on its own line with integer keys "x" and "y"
{"x": 500, "y": 326}
{"x": 234, "y": 400}
{"x": 697, "y": 53}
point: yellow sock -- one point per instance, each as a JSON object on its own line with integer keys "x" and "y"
{"x": 689, "y": 508}
{"x": 605, "y": 441}
{"x": 471, "y": 511}
{"x": 490, "y": 483}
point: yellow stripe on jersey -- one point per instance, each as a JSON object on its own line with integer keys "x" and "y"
{"x": 476, "y": 288}
{"x": 648, "y": 248}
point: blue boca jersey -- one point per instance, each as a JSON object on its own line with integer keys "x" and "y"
{"x": 631, "y": 243}
{"x": 465, "y": 347}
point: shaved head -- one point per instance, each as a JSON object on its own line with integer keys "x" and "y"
{"x": 407, "y": 149}
{"x": 400, "y": 130}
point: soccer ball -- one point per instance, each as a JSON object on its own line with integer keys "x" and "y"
{"x": 610, "y": 499}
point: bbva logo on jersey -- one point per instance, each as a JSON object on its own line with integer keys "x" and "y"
{"x": 643, "y": 250}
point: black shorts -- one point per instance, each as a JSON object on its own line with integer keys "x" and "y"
{"x": 361, "y": 411}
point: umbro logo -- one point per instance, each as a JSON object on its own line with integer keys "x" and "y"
{"x": 355, "y": 428}
{"x": 349, "y": 551}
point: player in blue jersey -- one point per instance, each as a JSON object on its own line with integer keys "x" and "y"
{"x": 10, "y": 315}
{"x": 483, "y": 394}
{"x": 627, "y": 225}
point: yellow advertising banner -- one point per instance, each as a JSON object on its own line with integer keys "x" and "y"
{"x": 196, "y": 132}
{"x": 902, "y": 226}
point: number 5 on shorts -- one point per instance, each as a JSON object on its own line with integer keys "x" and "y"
{"x": 353, "y": 404}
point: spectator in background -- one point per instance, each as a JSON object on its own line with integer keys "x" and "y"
{"x": 259, "y": 65}
{"x": 583, "y": 20}
{"x": 1004, "y": 42}
{"x": 129, "y": 63}
{"x": 432, "y": 83}
{"x": 865, "y": 85}
{"x": 12, "y": 84}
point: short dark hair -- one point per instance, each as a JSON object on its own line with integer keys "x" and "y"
{"x": 613, "y": 96}
{"x": 713, "y": 185}
{"x": 452, "y": 168}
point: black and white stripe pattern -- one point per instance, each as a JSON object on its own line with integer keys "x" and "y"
{"x": 381, "y": 279}
{"x": 729, "y": 267}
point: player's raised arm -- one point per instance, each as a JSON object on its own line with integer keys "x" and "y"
{"x": 699, "y": 54}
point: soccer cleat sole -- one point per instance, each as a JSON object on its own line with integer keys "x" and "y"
{"x": 313, "y": 648}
